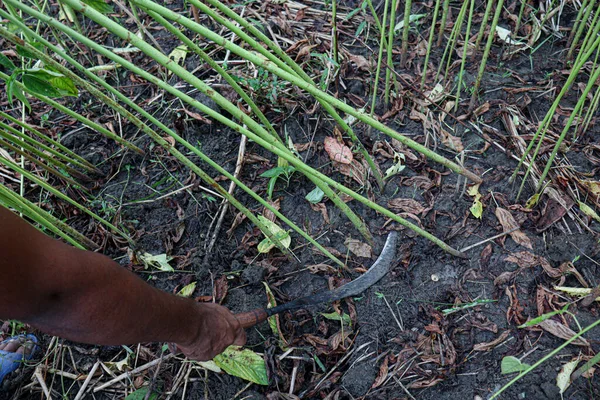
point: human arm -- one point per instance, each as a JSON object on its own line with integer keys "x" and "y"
{"x": 86, "y": 297}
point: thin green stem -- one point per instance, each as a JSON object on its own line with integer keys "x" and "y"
{"x": 301, "y": 84}
{"x": 581, "y": 26}
{"x": 430, "y": 43}
{"x": 405, "y": 29}
{"x": 228, "y": 78}
{"x": 545, "y": 358}
{"x": 486, "y": 54}
{"x": 24, "y": 207}
{"x": 389, "y": 53}
{"x": 379, "y": 56}
{"x": 153, "y": 134}
{"x": 486, "y": 16}
{"x": 520, "y": 17}
{"x": 285, "y": 62}
{"x": 14, "y": 135}
{"x": 563, "y": 134}
{"x": 464, "y": 55}
{"x": 8, "y": 163}
{"x": 173, "y": 151}
{"x": 445, "y": 10}
{"x": 68, "y": 154}
{"x": 541, "y": 131}
{"x": 456, "y": 30}
{"x": 20, "y": 146}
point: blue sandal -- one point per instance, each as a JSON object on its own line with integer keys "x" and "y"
{"x": 10, "y": 361}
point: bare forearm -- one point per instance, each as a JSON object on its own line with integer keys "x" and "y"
{"x": 102, "y": 303}
{"x": 87, "y": 297}
{"x": 80, "y": 295}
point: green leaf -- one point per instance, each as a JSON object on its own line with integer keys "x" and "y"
{"x": 159, "y": 261}
{"x": 179, "y": 53}
{"x": 475, "y": 303}
{"x": 512, "y": 364}
{"x": 271, "y": 186}
{"x": 210, "y": 365}
{"x": 477, "y": 208}
{"x": 532, "y": 201}
{"x": 271, "y": 303}
{"x": 39, "y": 86}
{"x": 244, "y": 364}
{"x": 398, "y": 166}
{"x": 187, "y": 290}
{"x": 563, "y": 379}
{"x": 282, "y": 235}
{"x": 100, "y": 6}
{"x": 412, "y": 18}
{"x": 7, "y": 63}
{"x": 23, "y": 52}
{"x": 315, "y": 196}
{"x": 118, "y": 365}
{"x": 65, "y": 86}
{"x": 43, "y": 73}
{"x": 10, "y": 88}
{"x": 589, "y": 211}
{"x": 58, "y": 81}
{"x": 345, "y": 318}
{"x": 140, "y": 394}
{"x": 273, "y": 172}
{"x": 17, "y": 91}
{"x": 544, "y": 317}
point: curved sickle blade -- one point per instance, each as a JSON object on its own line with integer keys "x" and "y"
{"x": 378, "y": 270}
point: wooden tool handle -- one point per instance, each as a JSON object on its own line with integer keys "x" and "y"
{"x": 251, "y": 318}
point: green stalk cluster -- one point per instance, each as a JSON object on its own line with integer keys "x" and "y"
{"x": 486, "y": 54}
{"x": 254, "y": 131}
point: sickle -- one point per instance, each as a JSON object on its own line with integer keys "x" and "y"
{"x": 378, "y": 270}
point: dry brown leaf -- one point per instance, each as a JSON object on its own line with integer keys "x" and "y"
{"x": 484, "y": 257}
{"x": 548, "y": 269}
{"x": 424, "y": 383}
{"x": 220, "y": 289}
{"x": 360, "y": 61}
{"x": 504, "y": 277}
{"x": 552, "y": 213}
{"x": 320, "y": 207}
{"x": 239, "y": 217}
{"x": 523, "y": 259}
{"x": 354, "y": 170}
{"x": 490, "y": 345}
{"x": 251, "y": 158}
{"x": 197, "y": 116}
{"x": 302, "y": 146}
{"x": 408, "y": 205}
{"x": 564, "y": 332}
{"x": 382, "y": 374}
{"x": 270, "y": 215}
{"x": 316, "y": 268}
{"x": 305, "y": 51}
{"x": 332, "y": 250}
{"x": 359, "y": 248}
{"x": 338, "y": 339}
{"x": 508, "y": 223}
{"x": 482, "y": 109}
{"x": 337, "y": 151}
{"x": 453, "y": 142}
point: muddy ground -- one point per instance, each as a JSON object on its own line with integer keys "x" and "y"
{"x": 398, "y": 324}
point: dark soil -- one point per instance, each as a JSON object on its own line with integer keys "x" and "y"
{"x": 399, "y": 321}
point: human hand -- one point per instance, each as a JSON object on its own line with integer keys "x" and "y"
{"x": 217, "y": 329}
